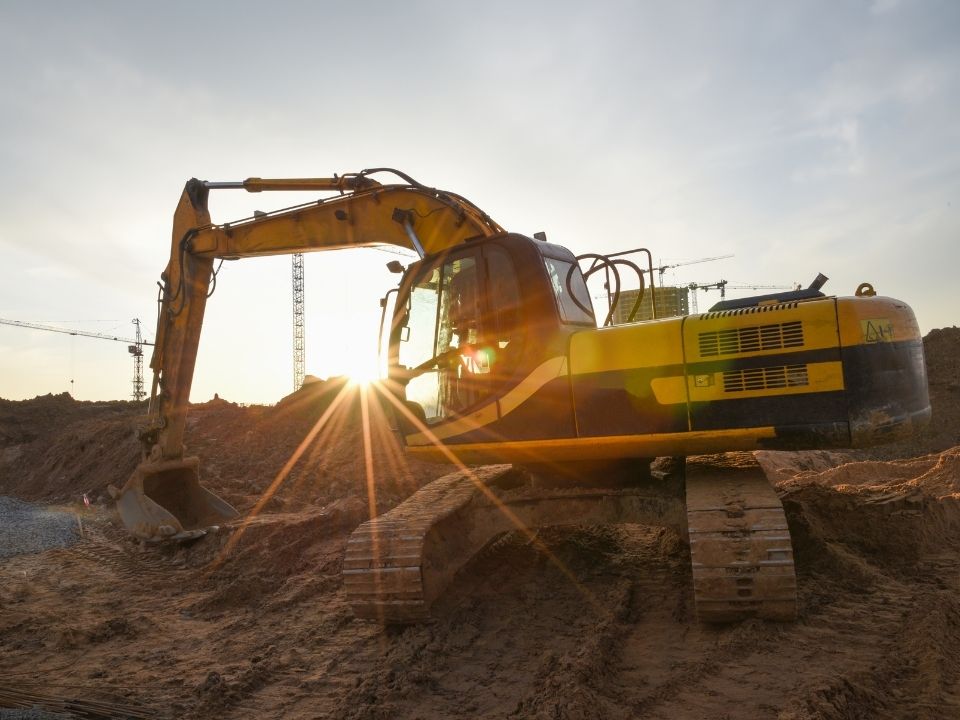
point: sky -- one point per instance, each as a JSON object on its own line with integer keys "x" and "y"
{"x": 799, "y": 137}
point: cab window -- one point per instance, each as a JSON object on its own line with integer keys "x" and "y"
{"x": 442, "y": 342}
{"x": 570, "y": 312}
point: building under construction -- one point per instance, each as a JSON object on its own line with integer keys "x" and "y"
{"x": 671, "y": 302}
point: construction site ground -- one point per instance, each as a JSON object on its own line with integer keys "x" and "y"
{"x": 253, "y": 622}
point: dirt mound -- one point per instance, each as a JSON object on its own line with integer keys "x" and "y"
{"x": 253, "y": 621}
{"x": 320, "y": 430}
{"x": 24, "y": 421}
{"x": 251, "y": 564}
{"x": 58, "y": 448}
{"x": 936, "y": 475}
{"x": 83, "y": 458}
{"x": 893, "y": 513}
{"x": 54, "y": 448}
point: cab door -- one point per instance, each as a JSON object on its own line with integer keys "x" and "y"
{"x": 461, "y": 337}
{"x": 440, "y": 343}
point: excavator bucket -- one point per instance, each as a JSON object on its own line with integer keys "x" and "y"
{"x": 165, "y": 501}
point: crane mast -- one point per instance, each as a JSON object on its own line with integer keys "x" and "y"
{"x": 299, "y": 351}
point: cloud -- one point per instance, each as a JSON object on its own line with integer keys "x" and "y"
{"x": 800, "y": 136}
{"x": 882, "y": 7}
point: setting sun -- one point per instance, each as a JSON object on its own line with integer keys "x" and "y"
{"x": 363, "y": 373}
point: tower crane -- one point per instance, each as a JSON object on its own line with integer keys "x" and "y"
{"x": 722, "y": 286}
{"x": 134, "y": 346}
{"x": 663, "y": 268}
{"x": 299, "y": 345}
{"x": 650, "y": 269}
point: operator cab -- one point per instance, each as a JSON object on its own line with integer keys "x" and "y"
{"x": 473, "y": 321}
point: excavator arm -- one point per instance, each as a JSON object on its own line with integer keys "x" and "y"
{"x": 163, "y": 498}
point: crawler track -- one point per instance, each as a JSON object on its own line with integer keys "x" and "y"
{"x": 396, "y": 565}
{"x": 740, "y": 545}
{"x": 383, "y": 568}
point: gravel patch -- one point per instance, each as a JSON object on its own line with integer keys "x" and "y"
{"x": 27, "y": 528}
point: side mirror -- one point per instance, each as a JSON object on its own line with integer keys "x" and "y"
{"x": 395, "y": 266}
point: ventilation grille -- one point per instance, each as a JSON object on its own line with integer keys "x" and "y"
{"x": 751, "y": 339}
{"x": 769, "y": 378}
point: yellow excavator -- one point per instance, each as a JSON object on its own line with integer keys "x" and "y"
{"x": 495, "y": 358}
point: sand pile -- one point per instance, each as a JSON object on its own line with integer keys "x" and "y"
{"x": 243, "y": 449}
{"x": 254, "y": 623}
{"x": 56, "y": 449}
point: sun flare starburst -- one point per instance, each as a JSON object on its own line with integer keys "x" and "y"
{"x": 362, "y": 376}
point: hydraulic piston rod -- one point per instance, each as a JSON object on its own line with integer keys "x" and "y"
{"x": 345, "y": 183}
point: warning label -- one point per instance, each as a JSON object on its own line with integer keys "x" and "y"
{"x": 875, "y": 331}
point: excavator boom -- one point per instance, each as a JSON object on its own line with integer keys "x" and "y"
{"x": 163, "y": 498}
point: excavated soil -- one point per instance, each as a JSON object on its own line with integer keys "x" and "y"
{"x": 255, "y": 623}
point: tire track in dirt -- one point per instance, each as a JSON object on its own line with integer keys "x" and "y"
{"x": 510, "y": 620}
{"x": 640, "y": 594}
{"x": 269, "y": 633}
{"x": 897, "y": 651}
{"x": 515, "y": 638}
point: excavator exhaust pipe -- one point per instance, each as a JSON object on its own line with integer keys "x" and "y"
{"x": 165, "y": 501}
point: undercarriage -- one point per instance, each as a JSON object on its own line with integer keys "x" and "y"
{"x": 398, "y": 564}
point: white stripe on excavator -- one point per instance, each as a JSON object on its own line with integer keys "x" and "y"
{"x": 545, "y": 372}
